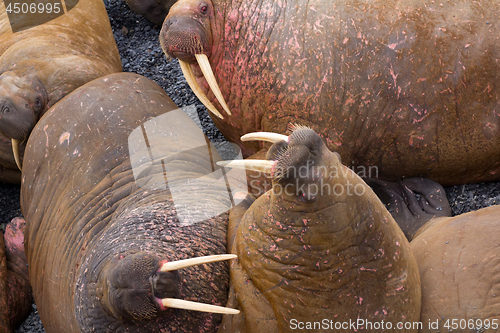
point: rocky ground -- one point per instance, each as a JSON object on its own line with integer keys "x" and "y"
{"x": 139, "y": 48}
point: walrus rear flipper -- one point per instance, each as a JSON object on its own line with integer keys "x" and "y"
{"x": 412, "y": 202}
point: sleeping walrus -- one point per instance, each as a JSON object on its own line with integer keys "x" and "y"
{"x": 41, "y": 64}
{"x": 118, "y": 185}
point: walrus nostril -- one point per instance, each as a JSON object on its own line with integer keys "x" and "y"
{"x": 169, "y": 22}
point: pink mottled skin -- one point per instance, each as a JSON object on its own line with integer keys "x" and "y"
{"x": 15, "y": 290}
{"x": 404, "y": 86}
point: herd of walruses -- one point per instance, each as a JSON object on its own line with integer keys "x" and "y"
{"x": 132, "y": 222}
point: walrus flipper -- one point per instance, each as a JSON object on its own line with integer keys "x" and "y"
{"x": 412, "y": 202}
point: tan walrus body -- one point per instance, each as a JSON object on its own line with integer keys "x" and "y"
{"x": 320, "y": 249}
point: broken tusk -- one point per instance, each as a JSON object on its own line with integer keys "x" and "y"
{"x": 210, "y": 77}
{"x": 188, "y": 305}
{"x": 15, "y": 150}
{"x": 264, "y": 136}
{"x": 195, "y": 87}
{"x": 174, "y": 265}
{"x": 254, "y": 165}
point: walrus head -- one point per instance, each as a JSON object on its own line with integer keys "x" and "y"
{"x": 186, "y": 35}
{"x": 22, "y": 99}
{"x": 300, "y": 165}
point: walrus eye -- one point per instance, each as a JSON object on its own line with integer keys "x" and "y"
{"x": 5, "y": 110}
{"x": 203, "y": 9}
{"x": 38, "y": 104}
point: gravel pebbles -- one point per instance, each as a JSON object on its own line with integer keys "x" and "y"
{"x": 140, "y": 50}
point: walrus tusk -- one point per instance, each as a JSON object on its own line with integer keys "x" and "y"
{"x": 188, "y": 305}
{"x": 212, "y": 82}
{"x": 195, "y": 87}
{"x": 174, "y": 265}
{"x": 264, "y": 136}
{"x": 15, "y": 150}
{"x": 254, "y": 165}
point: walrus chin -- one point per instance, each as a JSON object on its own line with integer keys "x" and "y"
{"x": 15, "y": 150}
{"x": 195, "y": 306}
{"x": 204, "y": 64}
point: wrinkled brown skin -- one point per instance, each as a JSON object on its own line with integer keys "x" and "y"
{"x": 15, "y": 290}
{"x": 46, "y": 62}
{"x": 458, "y": 262}
{"x": 407, "y": 86}
{"x": 153, "y": 10}
{"x": 314, "y": 256}
{"x": 86, "y": 215}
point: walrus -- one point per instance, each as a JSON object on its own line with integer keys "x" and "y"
{"x": 41, "y": 64}
{"x": 118, "y": 187}
{"x": 457, "y": 256}
{"x": 15, "y": 290}
{"x": 319, "y": 249}
{"x": 406, "y": 86}
{"x": 153, "y": 10}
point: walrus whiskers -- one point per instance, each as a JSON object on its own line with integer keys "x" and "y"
{"x": 249, "y": 164}
{"x": 264, "y": 136}
{"x": 15, "y": 150}
{"x": 188, "y": 305}
{"x": 174, "y": 265}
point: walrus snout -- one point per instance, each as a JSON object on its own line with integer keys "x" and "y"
{"x": 183, "y": 38}
{"x": 140, "y": 286}
{"x": 129, "y": 287}
{"x": 16, "y": 122}
{"x": 22, "y": 99}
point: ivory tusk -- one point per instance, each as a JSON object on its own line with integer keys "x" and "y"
{"x": 264, "y": 136}
{"x": 15, "y": 150}
{"x": 254, "y": 165}
{"x": 174, "y": 265}
{"x": 191, "y": 80}
{"x": 210, "y": 77}
{"x": 188, "y": 305}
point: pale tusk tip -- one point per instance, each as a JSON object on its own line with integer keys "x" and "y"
{"x": 206, "y": 68}
{"x": 15, "y": 151}
{"x": 264, "y": 136}
{"x": 195, "y": 306}
{"x": 179, "y": 264}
